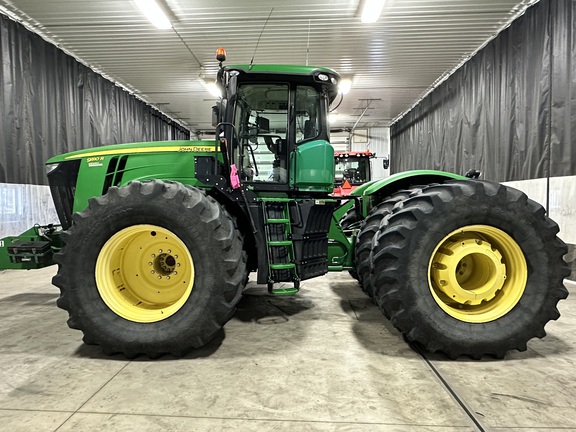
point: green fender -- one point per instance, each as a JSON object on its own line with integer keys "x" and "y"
{"x": 376, "y": 190}
{"x": 413, "y": 177}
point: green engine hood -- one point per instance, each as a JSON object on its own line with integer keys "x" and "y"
{"x": 139, "y": 147}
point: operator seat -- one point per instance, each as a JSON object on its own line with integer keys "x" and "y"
{"x": 309, "y": 129}
{"x": 280, "y": 165}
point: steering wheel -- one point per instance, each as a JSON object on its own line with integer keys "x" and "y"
{"x": 350, "y": 173}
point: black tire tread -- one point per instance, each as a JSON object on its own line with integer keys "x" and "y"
{"x": 349, "y": 218}
{"x": 368, "y": 229}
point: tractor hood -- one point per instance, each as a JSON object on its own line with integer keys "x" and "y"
{"x": 139, "y": 147}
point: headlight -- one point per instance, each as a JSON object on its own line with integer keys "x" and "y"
{"x": 51, "y": 167}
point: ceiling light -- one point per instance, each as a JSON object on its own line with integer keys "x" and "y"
{"x": 372, "y": 10}
{"x": 344, "y": 86}
{"x": 212, "y": 88}
{"x": 154, "y": 13}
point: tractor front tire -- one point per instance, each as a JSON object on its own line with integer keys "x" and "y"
{"x": 469, "y": 268}
{"x": 150, "y": 268}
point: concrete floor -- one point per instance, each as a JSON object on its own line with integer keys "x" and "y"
{"x": 325, "y": 360}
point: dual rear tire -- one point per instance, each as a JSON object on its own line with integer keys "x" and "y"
{"x": 467, "y": 268}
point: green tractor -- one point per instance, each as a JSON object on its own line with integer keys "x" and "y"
{"x": 157, "y": 239}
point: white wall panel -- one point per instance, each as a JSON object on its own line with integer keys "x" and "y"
{"x": 562, "y": 206}
{"x": 23, "y": 206}
{"x": 379, "y": 143}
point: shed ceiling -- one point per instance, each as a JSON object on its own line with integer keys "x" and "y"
{"x": 392, "y": 62}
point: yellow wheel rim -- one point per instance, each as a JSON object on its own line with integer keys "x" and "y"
{"x": 144, "y": 273}
{"x": 477, "y": 273}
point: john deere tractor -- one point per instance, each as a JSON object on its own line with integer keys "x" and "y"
{"x": 157, "y": 239}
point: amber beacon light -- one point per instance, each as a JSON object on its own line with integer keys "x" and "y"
{"x": 221, "y": 54}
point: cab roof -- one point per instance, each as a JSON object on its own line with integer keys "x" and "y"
{"x": 282, "y": 69}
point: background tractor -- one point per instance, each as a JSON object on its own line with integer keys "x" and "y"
{"x": 352, "y": 169}
{"x": 157, "y": 239}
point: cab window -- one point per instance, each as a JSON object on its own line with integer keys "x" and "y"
{"x": 261, "y": 123}
{"x": 307, "y": 113}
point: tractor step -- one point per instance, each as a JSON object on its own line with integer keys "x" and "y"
{"x": 280, "y": 243}
{"x": 285, "y": 266}
{"x": 284, "y": 291}
{"x": 278, "y": 221}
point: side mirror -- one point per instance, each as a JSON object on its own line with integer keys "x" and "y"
{"x": 473, "y": 173}
{"x": 386, "y": 162}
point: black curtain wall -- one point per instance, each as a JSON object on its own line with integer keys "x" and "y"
{"x": 510, "y": 111}
{"x": 51, "y": 104}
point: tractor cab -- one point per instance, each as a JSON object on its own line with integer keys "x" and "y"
{"x": 272, "y": 126}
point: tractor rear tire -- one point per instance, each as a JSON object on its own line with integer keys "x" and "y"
{"x": 469, "y": 268}
{"x": 367, "y": 231}
{"x": 151, "y": 268}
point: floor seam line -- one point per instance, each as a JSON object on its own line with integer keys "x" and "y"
{"x": 448, "y": 388}
{"x": 353, "y": 310}
{"x": 93, "y": 395}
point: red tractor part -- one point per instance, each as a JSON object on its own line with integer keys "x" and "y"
{"x": 352, "y": 170}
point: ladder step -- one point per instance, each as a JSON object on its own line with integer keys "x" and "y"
{"x": 284, "y": 291}
{"x": 277, "y": 200}
{"x": 278, "y": 221}
{"x": 280, "y": 243}
{"x": 277, "y": 228}
{"x": 282, "y": 266}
